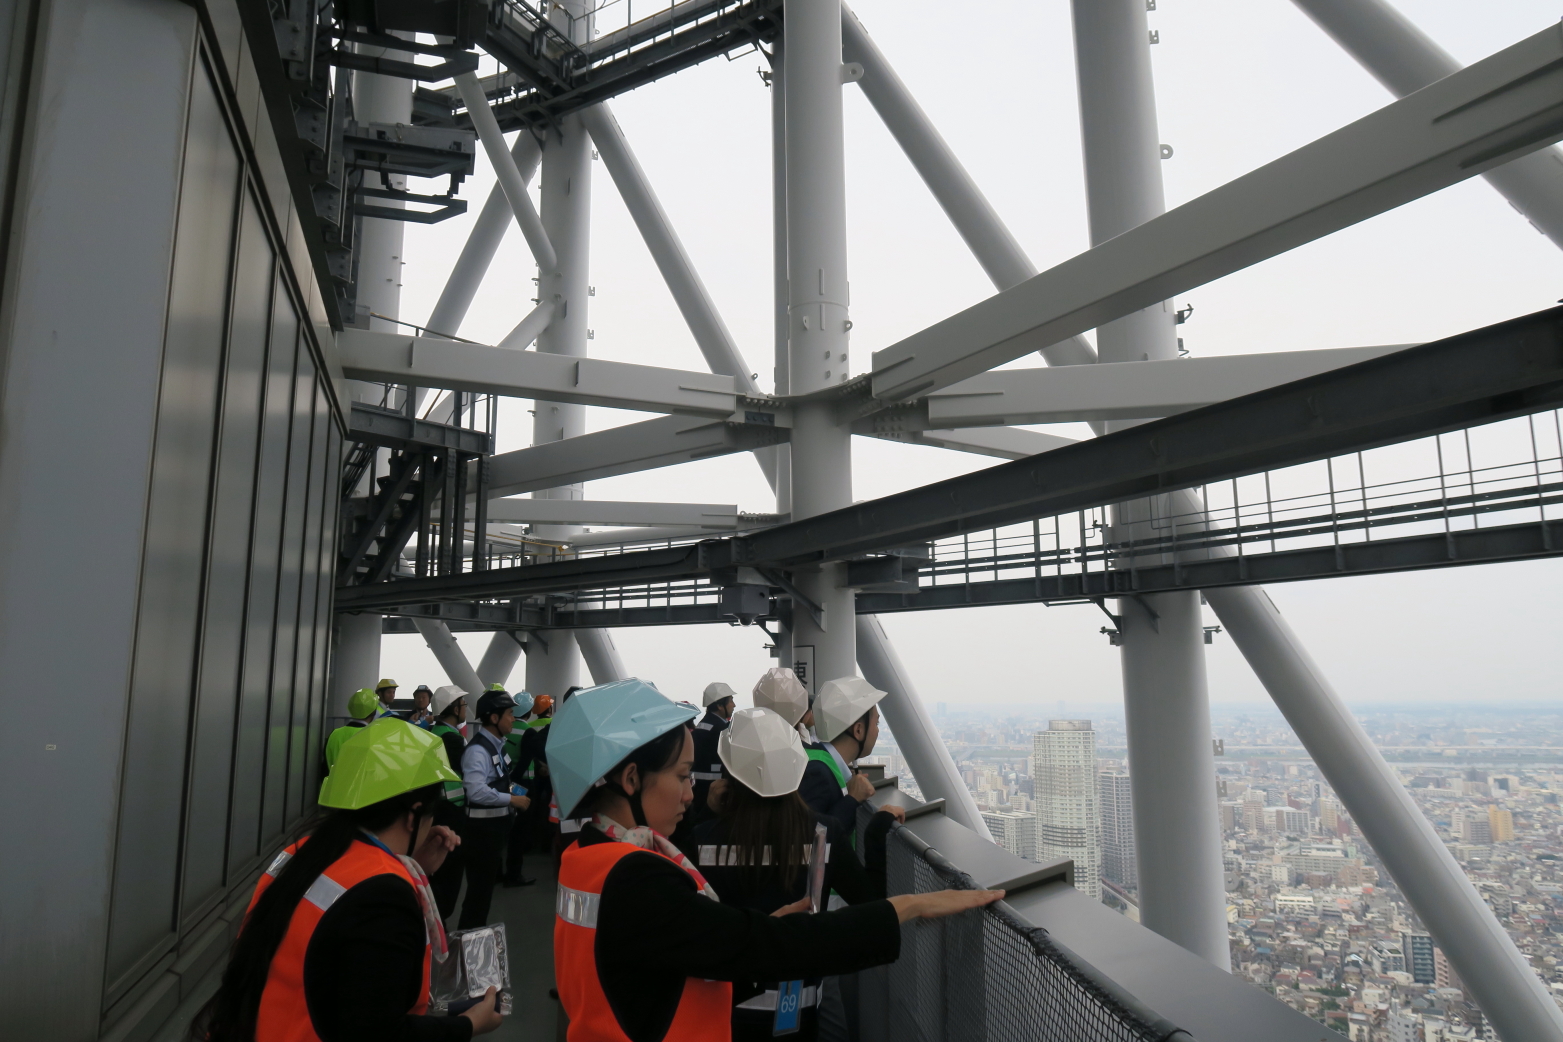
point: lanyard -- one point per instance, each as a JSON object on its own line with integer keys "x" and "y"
{"x": 370, "y": 837}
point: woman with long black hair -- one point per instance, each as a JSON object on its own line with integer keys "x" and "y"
{"x": 757, "y": 853}
{"x": 338, "y": 940}
{"x": 644, "y": 949}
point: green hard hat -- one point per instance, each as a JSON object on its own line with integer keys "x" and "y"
{"x": 496, "y": 687}
{"x": 385, "y": 759}
{"x": 363, "y": 702}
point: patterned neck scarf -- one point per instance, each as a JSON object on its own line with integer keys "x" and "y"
{"x": 432, "y": 924}
{"x": 648, "y": 838}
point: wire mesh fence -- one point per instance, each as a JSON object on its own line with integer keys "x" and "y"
{"x": 991, "y": 976}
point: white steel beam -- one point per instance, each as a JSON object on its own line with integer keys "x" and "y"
{"x": 955, "y": 190}
{"x": 452, "y": 364}
{"x": 1404, "y": 59}
{"x": 606, "y": 512}
{"x": 499, "y": 658}
{"x": 1499, "y": 977}
{"x": 477, "y": 253}
{"x": 1001, "y": 442}
{"x": 1126, "y": 390}
{"x": 601, "y": 655}
{"x": 506, "y": 171}
{"x": 915, "y": 734}
{"x": 452, "y": 659}
{"x": 629, "y": 449}
{"x": 694, "y": 302}
{"x": 1487, "y": 114}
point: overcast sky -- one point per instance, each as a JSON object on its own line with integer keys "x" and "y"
{"x": 1238, "y": 85}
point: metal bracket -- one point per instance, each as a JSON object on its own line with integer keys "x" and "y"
{"x": 798, "y": 596}
{"x": 1101, "y": 602}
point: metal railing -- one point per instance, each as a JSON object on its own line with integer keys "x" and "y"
{"x": 994, "y": 975}
{"x": 1499, "y": 474}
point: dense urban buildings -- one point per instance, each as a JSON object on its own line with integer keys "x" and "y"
{"x": 1313, "y": 917}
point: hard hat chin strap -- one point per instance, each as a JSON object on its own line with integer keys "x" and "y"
{"x": 633, "y": 799}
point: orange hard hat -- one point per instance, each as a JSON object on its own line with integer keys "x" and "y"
{"x": 542, "y": 705}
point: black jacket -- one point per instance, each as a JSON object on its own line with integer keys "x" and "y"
{"x": 364, "y": 966}
{"x": 654, "y": 929}
{"x": 823, "y": 794}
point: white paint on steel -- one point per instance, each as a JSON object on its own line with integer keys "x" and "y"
{"x": 507, "y": 172}
{"x": 1166, "y": 704}
{"x": 817, "y": 317}
{"x": 1405, "y": 59}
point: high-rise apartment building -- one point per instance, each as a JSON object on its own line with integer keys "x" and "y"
{"x": 1069, "y": 823}
{"x": 1118, "y": 829}
{"x": 1444, "y": 975}
{"x": 1472, "y": 826}
{"x": 1501, "y": 822}
{"x": 1418, "y": 949}
{"x": 1015, "y": 832}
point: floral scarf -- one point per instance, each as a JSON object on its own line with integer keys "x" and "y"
{"x": 648, "y": 838}
{"x": 432, "y": 924}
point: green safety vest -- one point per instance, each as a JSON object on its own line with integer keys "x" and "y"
{"x": 455, "y": 792}
{"x": 335, "y": 739}
{"x": 513, "y": 743}
{"x": 824, "y": 757}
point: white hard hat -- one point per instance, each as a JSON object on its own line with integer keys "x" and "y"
{"x": 715, "y": 692}
{"x": 762, "y": 751}
{"x": 842, "y": 703}
{"x": 444, "y": 697}
{"x": 780, "y": 691}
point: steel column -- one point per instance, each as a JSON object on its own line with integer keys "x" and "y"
{"x": 1166, "y": 705}
{"x": 957, "y": 193}
{"x": 499, "y": 658}
{"x": 1503, "y": 984}
{"x": 781, "y": 379}
{"x": 553, "y": 663}
{"x": 817, "y": 322}
{"x": 376, "y": 99}
{"x": 694, "y": 302}
{"x": 488, "y": 231}
{"x": 1404, "y": 59}
{"x": 915, "y": 734}
{"x": 601, "y": 655}
{"x": 452, "y": 659}
{"x": 355, "y": 660}
{"x": 507, "y": 172}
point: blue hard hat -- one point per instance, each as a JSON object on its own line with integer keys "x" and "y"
{"x": 597, "y": 729}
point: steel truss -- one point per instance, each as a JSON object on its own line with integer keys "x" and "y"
{"x": 1162, "y": 539}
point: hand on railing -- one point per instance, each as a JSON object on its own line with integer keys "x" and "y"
{"x": 941, "y": 903}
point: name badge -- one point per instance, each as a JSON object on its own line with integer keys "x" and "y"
{"x": 788, "y": 995}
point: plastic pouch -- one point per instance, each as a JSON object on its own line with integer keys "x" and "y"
{"x": 479, "y": 960}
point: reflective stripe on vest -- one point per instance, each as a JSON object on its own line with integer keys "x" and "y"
{"x": 824, "y": 757}
{"x": 704, "y": 1012}
{"x": 284, "y": 1011}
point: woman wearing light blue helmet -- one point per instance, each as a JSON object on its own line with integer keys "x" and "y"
{"x": 642, "y": 948}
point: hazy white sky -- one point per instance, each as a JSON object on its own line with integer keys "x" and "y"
{"x": 1238, "y": 85}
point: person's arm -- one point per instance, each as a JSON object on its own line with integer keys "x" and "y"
{"x": 651, "y": 910}
{"x": 474, "y": 776}
{"x": 364, "y": 969}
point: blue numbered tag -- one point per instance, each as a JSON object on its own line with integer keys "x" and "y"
{"x": 788, "y": 995}
{"x": 518, "y": 790}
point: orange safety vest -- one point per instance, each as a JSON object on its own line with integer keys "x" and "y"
{"x": 705, "y": 1008}
{"x": 284, "y": 1012}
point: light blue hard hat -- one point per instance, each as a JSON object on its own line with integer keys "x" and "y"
{"x": 597, "y": 728}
